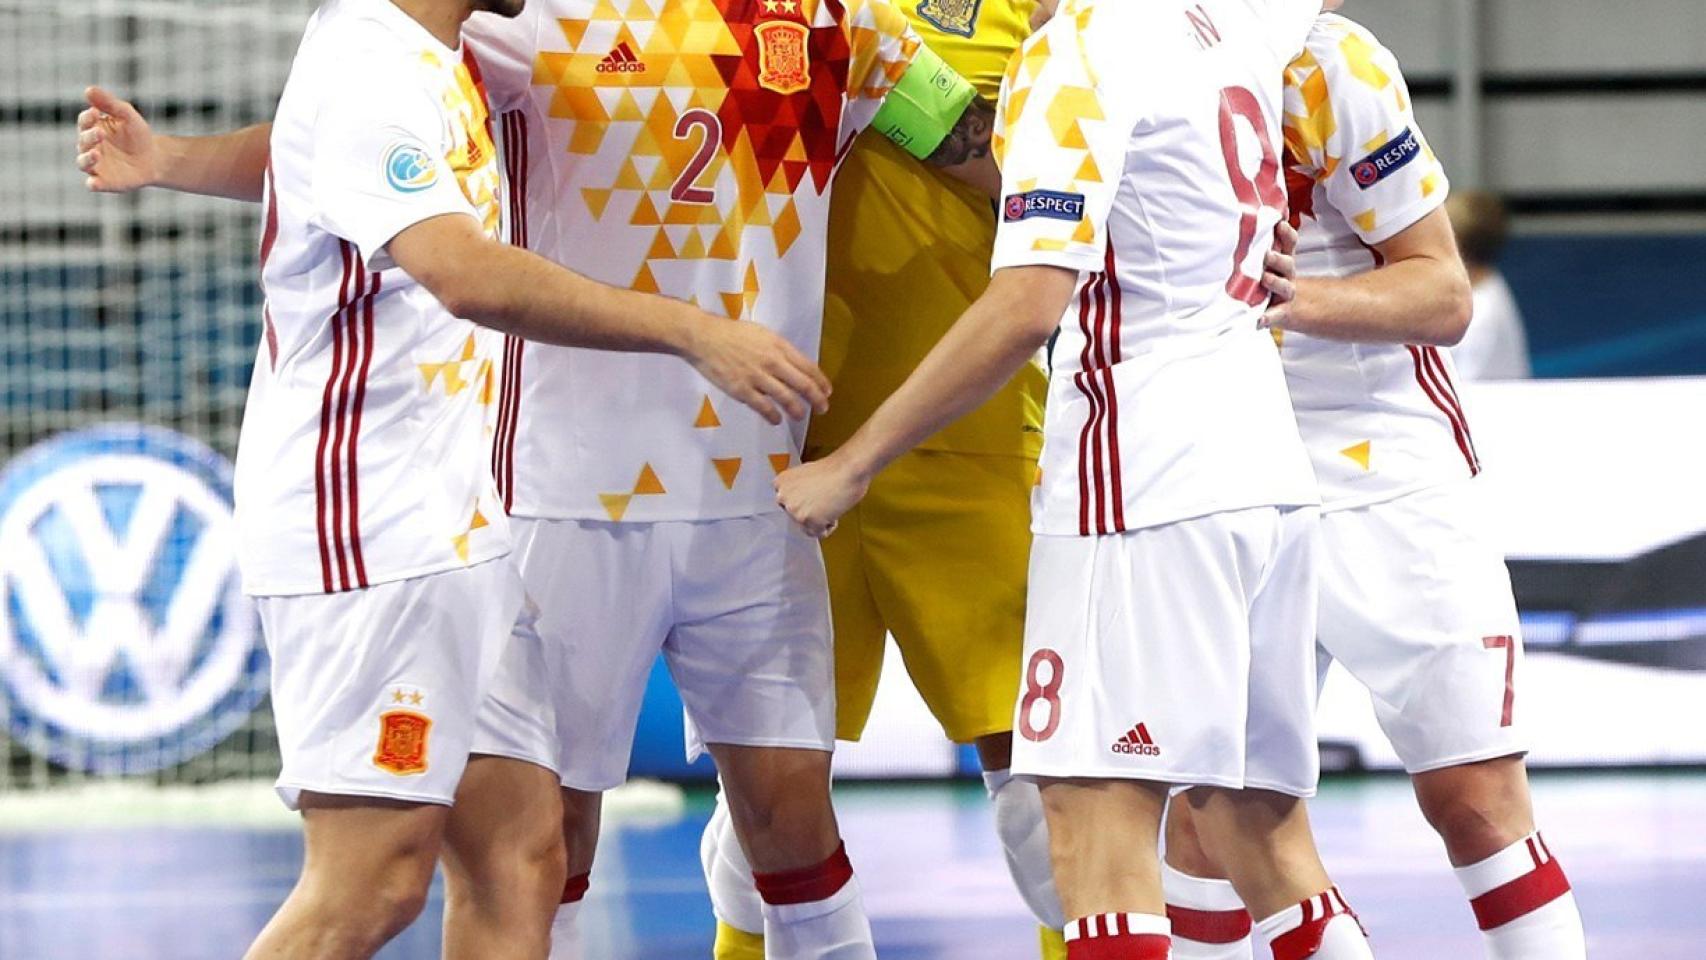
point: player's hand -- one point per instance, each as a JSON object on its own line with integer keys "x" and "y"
{"x": 816, "y": 494}
{"x": 759, "y": 368}
{"x": 1279, "y": 275}
{"x": 115, "y": 146}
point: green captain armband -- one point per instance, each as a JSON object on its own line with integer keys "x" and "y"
{"x": 921, "y": 110}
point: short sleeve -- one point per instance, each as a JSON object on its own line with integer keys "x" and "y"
{"x": 1062, "y": 147}
{"x": 379, "y": 160}
{"x": 1349, "y": 127}
{"x": 505, "y": 49}
{"x": 881, "y": 45}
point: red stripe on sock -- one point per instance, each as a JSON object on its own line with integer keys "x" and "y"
{"x": 1304, "y": 941}
{"x": 807, "y": 884}
{"x": 1521, "y": 896}
{"x": 1141, "y": 946}
{"x": 1209, "y": 926}
{"x": 576, "y": 888}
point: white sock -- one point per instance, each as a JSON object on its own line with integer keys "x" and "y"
{"x": 565, "y": 926}
{"x": 1523, "y": 903}
{"x": 1023, "y": 833}
{"x": 1209, "y": 921}
{"x": 734, "y": 898}
{"x": 815, "y": 913}
{"x": 1322, "y": 927}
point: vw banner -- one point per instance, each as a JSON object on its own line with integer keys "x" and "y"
{"x": 126, "y": 644}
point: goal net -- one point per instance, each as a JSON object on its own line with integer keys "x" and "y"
{"x": 127, "y": 334}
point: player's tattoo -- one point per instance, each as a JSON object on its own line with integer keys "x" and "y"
{"x": 969, "y": 140}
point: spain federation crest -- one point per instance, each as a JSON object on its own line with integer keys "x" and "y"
{"x": 958, "y": 17}
{"x": 784, "y": 65}
{"x": 402, "y": 746}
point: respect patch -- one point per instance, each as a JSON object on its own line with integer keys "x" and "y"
{"x": 1051, "y": 204}
{"x": 1386, "y": 158}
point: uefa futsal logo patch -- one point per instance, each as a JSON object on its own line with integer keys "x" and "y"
{"x": 126, "y": 644}
{"x": 408, "y": 167}
{"x": 1049, "y": 204}
{"x": 1386, "y": 158}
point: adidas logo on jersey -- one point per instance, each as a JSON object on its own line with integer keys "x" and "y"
{"x": 1137, "y": 742}
{"x": 621, "y": 60}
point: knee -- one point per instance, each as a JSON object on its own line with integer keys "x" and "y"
{"x": 1473, "y": 826}
{"x": 398, "y": 897}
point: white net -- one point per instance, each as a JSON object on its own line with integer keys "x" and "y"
{"x": 138, "y": 310}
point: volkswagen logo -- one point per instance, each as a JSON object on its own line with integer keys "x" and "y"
{"x": 126, "y": 644}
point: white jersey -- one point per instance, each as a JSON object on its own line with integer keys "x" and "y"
{"x": 363, "y": 456}
{"x": 1141, "y": 148}
{"x": 1380, "y": 420}
{"x": 687, "y": 152}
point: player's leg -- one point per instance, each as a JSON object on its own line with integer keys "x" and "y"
{"x": 1136, "y": 676}
{"x": 583, "y": 812}
{"x": 365, "y": 876}
{"x": 1209, "y": 920}
{"x": 779, "y": 807}
{"x": 752, "y": 657}
{"x": 946, "y": 542}
{"x": 503, "y": 857}
{"x": 503, "y": 861}
{"x": 734, "y": 895}
{"x": 376, "y": 695}
{"x": 1261, "y": 834}
{"x": 1518, "y": 890}
{"x": 1421, "y": 612}
{"x": 860, "y": 638}
{"x": 603, "y": 595}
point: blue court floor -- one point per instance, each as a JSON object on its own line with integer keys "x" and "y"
{"x": 935, "y": 885}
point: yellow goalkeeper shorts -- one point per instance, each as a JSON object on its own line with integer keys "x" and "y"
{"x": 936, "y": 554}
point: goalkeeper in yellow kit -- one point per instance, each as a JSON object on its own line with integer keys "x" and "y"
{"x": 936, "y": 553}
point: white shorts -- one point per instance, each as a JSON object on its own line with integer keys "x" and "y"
{"x": 1417, "y": 605}
{"x": 739, "y": 608}
{"x": 384, "y": 692}
{"x": 1182, "y": 653}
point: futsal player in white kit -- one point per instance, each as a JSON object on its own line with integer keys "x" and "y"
{"x": 408, "y": 684}
{"x": 1170, "y": 629}
{"x": 1415, "y": 599}
{"x": 700, "y": 167}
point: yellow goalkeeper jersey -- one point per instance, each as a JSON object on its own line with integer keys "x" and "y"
{"x": 909, "y": 251}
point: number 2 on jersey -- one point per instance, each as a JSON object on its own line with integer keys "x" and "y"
{"x": 1263, "y": 192}
{"x": 685, "y": 189}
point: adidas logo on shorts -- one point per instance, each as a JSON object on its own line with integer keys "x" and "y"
{"x": 1137, "y": 742}
{"x": 621, "y": 60}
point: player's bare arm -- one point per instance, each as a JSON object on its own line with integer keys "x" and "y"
{"x": 521, "y": 293}
{"x": 934, "y": 114}
{"x": 990, "y": 342}
{"x": 120, "y": 152}
{"x": 965, "y": 152}
{"x": 1420, "y": 295}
